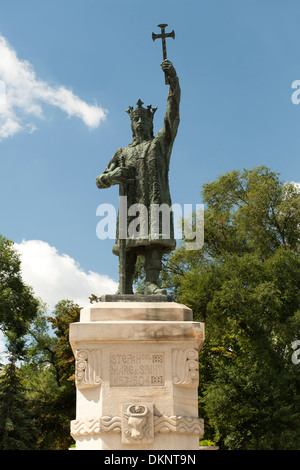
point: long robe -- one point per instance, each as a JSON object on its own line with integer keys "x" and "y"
{"x": 149, "y": 166}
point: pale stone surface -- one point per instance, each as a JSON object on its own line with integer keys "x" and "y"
{"x": 120, "y": 311}
{"x": 136, "y": 377}
{"x": 208, "y": 448}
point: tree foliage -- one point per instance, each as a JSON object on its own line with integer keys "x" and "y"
{"x": 37, "y": 396}
{"x": 244, "y": 284}
{"x": 49, "y": 374}
{"x": 18, "y": 306}
{"x": 17, "y": 425}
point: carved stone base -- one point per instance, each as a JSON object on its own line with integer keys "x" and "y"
{"x": 136, "y": 377}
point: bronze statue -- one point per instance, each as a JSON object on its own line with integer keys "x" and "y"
{"x": 141, "y": 170}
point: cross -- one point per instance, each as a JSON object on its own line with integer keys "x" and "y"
{"x": 163, "y": 37}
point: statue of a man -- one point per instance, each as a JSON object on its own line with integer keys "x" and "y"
{"x": 145, "y": 163}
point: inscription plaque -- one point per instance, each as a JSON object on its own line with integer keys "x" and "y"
{"x": 137, "y": 369}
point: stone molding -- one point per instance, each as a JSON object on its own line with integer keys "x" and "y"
{"x": 181, "y": 424}
{"x": 127, "y": 331}
{"x": 85, "y": 427}
{"x": 95, "y": 425}
{"x": 141, "y": 310}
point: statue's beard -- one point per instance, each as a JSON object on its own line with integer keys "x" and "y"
{"x": 141, "y": 137}
{"x": 143, "y": 134}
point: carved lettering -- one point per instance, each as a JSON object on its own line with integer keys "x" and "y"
{"x": 137, "y": 370}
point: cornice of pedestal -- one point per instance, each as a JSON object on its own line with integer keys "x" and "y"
{"x": 136, "y": 311}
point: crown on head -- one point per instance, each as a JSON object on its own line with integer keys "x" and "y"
{"x": 140, "y": 111}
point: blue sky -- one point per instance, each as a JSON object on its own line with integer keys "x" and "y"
{"x": 72, "y": 68}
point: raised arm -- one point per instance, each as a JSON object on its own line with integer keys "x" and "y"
{"x": 171, "y": 120}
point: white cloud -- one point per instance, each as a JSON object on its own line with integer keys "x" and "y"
{"x": 23, "y": 94}
{"x": 297, "y": 185}
{"x": 55, "y": 276}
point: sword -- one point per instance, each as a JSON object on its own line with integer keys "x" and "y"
{"x": 123, "y": 229}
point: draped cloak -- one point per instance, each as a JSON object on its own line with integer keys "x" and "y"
{"x": 149, "y": 168}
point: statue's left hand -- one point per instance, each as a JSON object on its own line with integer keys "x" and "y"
{"x": 168, "y": 68}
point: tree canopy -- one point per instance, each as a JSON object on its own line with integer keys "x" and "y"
{"x": 18, "y": 305}
{"x": 244, "y": 284}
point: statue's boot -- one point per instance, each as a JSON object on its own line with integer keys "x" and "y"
{"x": 152, "y": 287}
{"x": 152, "y": 268}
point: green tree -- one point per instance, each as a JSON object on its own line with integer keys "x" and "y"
{"x": 244, "y": 284}
{"x": 48, "y": 372}
{"x": 18, "y": 306}
{"x": 65, "y": 312}
{"x": 17, "y": 425}
{"x": 63, "y": 404}
{"x": 41, "y": 345}
{"x": 37, "y": 397}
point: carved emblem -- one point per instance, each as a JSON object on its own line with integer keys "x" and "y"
{"x": 185, "y": 367}
{"x": 137, "y": 423}
{"x": 87, "y": 368}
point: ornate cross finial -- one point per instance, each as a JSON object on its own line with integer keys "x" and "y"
{"x": 163, "y": 37}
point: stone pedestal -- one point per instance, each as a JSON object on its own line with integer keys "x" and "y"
{"x": 136, "y": 376}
